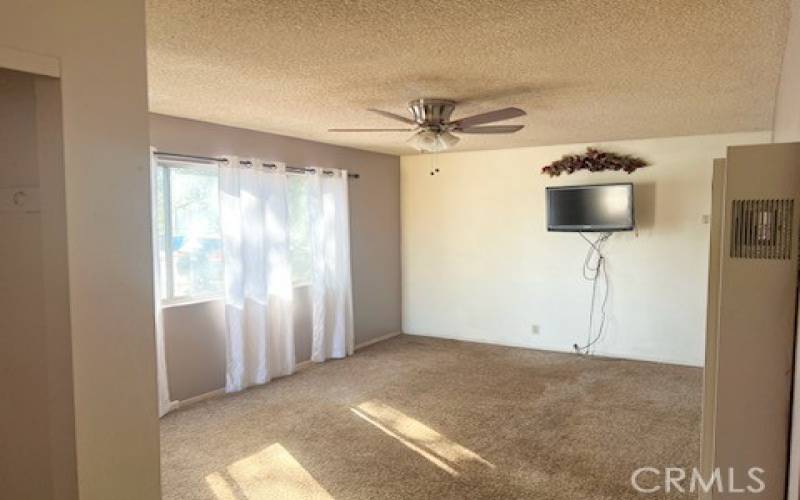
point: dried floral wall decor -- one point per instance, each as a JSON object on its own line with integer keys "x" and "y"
{"x": 594, "y": 160}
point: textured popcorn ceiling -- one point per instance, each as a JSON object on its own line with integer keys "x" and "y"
{"x": 584, "y": 70}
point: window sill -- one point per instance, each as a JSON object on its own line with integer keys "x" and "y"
{"x": 190, "y": 301}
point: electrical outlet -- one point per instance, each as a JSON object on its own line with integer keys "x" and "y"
{"x": 535, "y": 330}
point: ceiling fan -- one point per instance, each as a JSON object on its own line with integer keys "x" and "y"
{"x": 435, "y": 131}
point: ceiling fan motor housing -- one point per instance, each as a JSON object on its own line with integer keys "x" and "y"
{"x": 432, "y": 114}
{"x": 433, "y": 128}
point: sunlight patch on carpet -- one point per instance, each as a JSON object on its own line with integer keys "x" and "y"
{"x": 272, "y": 473}
{"x": 441, "y": 451}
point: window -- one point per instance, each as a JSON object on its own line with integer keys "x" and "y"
{"x": 299, "y": 229}
{"x": 189, "y": 231}
{"x": 190, "y": 237}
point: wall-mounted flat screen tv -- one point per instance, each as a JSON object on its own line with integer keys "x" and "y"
{"x": 599, "y": 208}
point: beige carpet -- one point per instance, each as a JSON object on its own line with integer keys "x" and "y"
{"x": 416, "y": 417}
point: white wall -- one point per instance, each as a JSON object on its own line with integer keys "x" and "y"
{"x": 478, "y": 263}
{"x": 99, "y": 47}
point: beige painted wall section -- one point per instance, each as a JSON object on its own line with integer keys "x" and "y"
{"x": 787, "y": 129}
{"x": 195, "y": 347}
{"x": 478, "y": 263}
{"x": 793, "y": 486}
{"x": 101, "y": 49}
{"x": 37, "y": 426}
{"x": 25, "y": 466}
{"x": 195, "y": 344}
{"x": 786, "y": 126}
{"x": 712, "y": 317}
{"x": 50, "y": 158}
{"x": 756, "y": 325}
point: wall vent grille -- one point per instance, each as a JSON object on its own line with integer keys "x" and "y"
{"x": 762, "y": 229}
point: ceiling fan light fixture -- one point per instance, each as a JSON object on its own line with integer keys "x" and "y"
{"x": 449, "y": 139}
{"x": 423, "y": 141}
{"x": 429, "y": 141}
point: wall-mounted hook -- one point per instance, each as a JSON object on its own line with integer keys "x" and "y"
{"x": 19, "y": 199}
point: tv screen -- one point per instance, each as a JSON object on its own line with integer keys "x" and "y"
{"x": 601, "y": 208}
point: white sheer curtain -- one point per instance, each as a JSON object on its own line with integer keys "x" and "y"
{"x": 165, "y": 405}
{"x": 258, "y": 283}
{"x": 331, "y": 288}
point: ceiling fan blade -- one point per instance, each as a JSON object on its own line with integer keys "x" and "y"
{"x": 370, "y": 130}
{"x": 497, "y": 115}
{"x": 393, "y": 116}
{"x": 491, "y": 129}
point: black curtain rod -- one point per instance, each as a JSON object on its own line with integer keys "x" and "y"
{"x": 244, "y": 162}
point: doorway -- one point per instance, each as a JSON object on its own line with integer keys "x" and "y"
{"x": 35, "y": 348}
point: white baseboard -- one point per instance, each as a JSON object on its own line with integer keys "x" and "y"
{"x": 221, "y": 391}
{"x": 566, "y": 350}
{"x": 298, "y": 367}
{"x": 202, "y": 397}
{"x": 302, "y": 365}
{"x": 305, "y": 364}
{"x": 369, "y": 342}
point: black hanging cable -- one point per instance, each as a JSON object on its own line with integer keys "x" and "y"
{"x": 595, "y": 273}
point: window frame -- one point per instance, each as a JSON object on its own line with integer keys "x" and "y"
{"x": 169, "y": 298}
